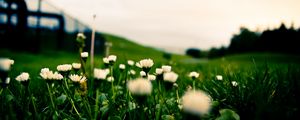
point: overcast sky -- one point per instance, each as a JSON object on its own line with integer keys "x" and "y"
{"x": 180, "y": 24}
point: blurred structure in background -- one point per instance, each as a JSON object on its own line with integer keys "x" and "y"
{"x": 37, "y": 26}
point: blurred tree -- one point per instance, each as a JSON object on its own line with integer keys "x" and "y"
{"x": 194, "y": 52}
{"x": 282, "y": 40}
{"x": 217, "y": 52}
{"x": 244, "y": 41}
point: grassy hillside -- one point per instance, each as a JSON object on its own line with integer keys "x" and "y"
{"x": 273, "y": 78}
{"x": 122, "y": 47}
{"x": 130, "y": 50}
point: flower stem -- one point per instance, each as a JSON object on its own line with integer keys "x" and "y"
{"x": 1, "y": 91}
{"x": 163, "y": 99}
{"x": 51, "y": 99}
{"x": 66, "y": 83}
{"x": 177, "y": 95}
{"x": 96, "y": 105}
{"x": 73, "y": 105}
{"x": 70, "y": 98}
{"x": 194, "y": 86}
{"x": 34, "y": 105}
{"x": 112, "y": 84}
{"x": 87, "y": 107}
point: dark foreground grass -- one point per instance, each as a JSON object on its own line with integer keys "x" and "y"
{"x": 268, "y": 88}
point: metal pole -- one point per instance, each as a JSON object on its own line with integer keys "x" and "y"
{"x": 93, "y": 44}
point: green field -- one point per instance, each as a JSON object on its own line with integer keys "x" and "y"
{"x": 268, "y": 86}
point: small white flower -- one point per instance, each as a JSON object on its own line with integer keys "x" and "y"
{"x": 110, "y": 79}
{"x": 64, "y": 67}
{"x": 219, "y": 77}
{"x": 196, "y": 102}
{"x": 100, "y": 73}
{"x": 146, "y": 63}
{"x": 132, "y": 72}
{"x": 57, "y": 76}
{"x": 139, "y": 86}
{"x": 84, "y": 54}
{"x": 77, "y": 78}
{"x": 194, "y": 74}
{"x": 7, "y": 80}
{"x": 112, "y": 58}
{"x": 81, "y": 36}
{"x": 130, "y": 62}
{"x": 24, "y": 76}
{"x": 46, "y": 74}
{"x": 170, "y": 77}
{"x": 143, "y": 74}
{"x": 105, "y": 60}
{"x": 175, "y": 85}
{"x": 138, "y": 65}
{"x": 151, "y": 77}
{"x": 76, "y": 65}
{"x": 122, "y": 66}
{"x": 5, "y": 64}
{"x": 44, "y": 70}
{"x": 166, "y": 68}
{"x": 108, "y": 44}
{"x": 158, "y": 71}
{"x": 11, "y": 62}
{"x": 234, "y": 83}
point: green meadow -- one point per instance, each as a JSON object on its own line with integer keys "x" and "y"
{"x": 267, "y": 86}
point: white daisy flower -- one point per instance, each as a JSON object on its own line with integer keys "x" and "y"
{"x": 44, "y": 70}
{"x": 151, "y": 77}
{"x": 132, "y": 72}
{"x": 24, "y": 76}
{"x": 64, "y": 67}
{"x": 110, "y": 79}
{"x": 57, "y": 76}
{"x": 105, "y": 60}
{"x": 170, "y": 77}
{"x": 84, "y": 54}
{"x": 5, "y": 64}
{"x": 146, "y": 63}
{"x": 138, "y": 65}
{"x": 76, "y": 65}
{"x": 143, "y": 73}
{"x": 46, "y": 74}
{"x": 112, "y": 58}
{"x": 166, "y": 68}
{"x": 194, "y": 74}
{"x": 77, "y": 78}
{"x": 196, "y": 102}
{"x": 7, "y": 80}
{"x": 158, "y": 71}
{"x": 100, "y": 74}
{"x": 81, "y": 36}
{"x": 139, "y": 86}
{"x": 234, "y": 83}
{"x": 219, "y": 77}
{"x": 175, "y": 85}
{"x": 122, "y": 66}
{"x": 130, "y": 62}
